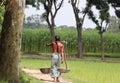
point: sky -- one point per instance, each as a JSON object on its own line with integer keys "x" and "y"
{"x": 65, "y": 15}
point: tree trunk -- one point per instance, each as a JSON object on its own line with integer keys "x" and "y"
{"x": 51, "y": 27}
{"x": 102, "y": 46}
{"x": 79, "y": 30}
{"x": 10, "y": 44}
{"x": 52, "y": 33}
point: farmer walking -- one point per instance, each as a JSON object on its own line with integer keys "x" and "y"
{"x": 58, "y": 57}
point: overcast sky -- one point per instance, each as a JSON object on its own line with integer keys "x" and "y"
{"x": 65, "y": 15}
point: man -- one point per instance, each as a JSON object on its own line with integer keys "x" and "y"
{"x": 58, "y": 57}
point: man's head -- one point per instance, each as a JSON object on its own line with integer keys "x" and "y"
{"x": 57, "y": 38}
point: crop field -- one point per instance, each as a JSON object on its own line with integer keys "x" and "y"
{"x": 82, "y": 71}
{"x": 34, "y": 40}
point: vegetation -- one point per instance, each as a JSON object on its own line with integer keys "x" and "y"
{"x": 82, "y": 71}
{"x": 102, "y": 22}
{"x": 2, "y": 10}
{"x": 51, "y": 9}
{"x": 34, "y": 40}
{"x": 27, "y": 79}
{"x": 114, "y": 25}
{"x": 10, "y": 38}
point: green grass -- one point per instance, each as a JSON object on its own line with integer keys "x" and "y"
{"x": 94, "y": 72}
{"x": 82, "y": 71}
{"x": 24, "y": 78}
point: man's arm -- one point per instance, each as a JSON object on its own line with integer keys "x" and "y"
{"x": 48, "y": 44}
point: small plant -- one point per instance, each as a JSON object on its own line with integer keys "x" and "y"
{"x": 23, "y": 79}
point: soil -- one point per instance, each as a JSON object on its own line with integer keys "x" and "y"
{"x": 43, "y": 77}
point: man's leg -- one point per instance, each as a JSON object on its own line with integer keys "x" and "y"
{"x": 58, "y": 66}
{"x": 54, "y": 71}
{"x": 57, "y": 79}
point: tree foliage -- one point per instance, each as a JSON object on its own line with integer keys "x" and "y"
{"x": 103, "y": 8}
{"x": 34, "y": 21}
{"x": 103, "y": 20}
{"x": 114, "y": 24}
{"x": 115, "y": 4}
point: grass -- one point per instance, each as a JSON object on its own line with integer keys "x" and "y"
{"x": 94, "y": 72}
{"x": 107, "y": 55}
{"x": 24, "y": 78}
{"x": 82, "y": 71}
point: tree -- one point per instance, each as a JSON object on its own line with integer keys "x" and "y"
{"x": 33, "y": 21}
{"x": 102, "y": 22}
{"x": 34, "y": 3}
{"x": 115, "y": 4}
{"x": 79, "y": 22}
{"x": 51, "y": 9}
{"x": 11, "y": 41}
{"x": 114, "y": 24}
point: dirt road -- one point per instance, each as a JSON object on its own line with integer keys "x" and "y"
{"x": 44, "y": 77}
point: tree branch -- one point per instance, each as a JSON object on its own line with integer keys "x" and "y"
{"x": 56, "y": 10}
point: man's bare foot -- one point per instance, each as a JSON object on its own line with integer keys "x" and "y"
{"x": 58, "y": 79}
{"x": 55, "y": 79}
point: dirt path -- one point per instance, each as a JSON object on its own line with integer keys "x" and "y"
{"x": 44, "y": 77}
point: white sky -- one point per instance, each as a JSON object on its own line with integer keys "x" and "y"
{"x": 65, "y": 15}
